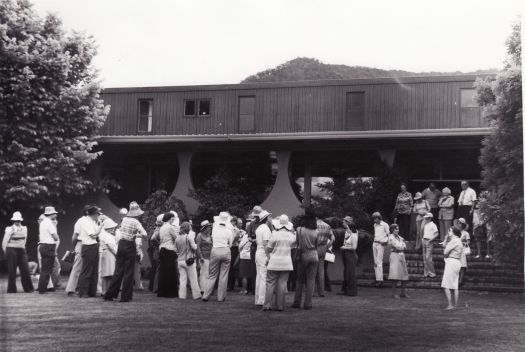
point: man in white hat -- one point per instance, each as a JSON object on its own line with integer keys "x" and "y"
{"x": 72, "y": 282}
{"x": 48, "y": 239}
{"x": 430, "y": 233}
{"x": 88, "y": 232}
{"x": 381, "y": 233}
{"x": 262, "y": 236}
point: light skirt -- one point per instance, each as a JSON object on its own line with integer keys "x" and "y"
{"x": 451, "y": 274}
{"x": 398, "y": 267}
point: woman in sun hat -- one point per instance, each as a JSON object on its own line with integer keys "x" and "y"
{"x": 421, "y": 207}
{"x": 108, "y": 252}
{"x": 14, "y": 247}
{"x": 262, "y": 236}
{"x": 461, "y": 225}
{"x": 279, "y": 263}
{"x": 452, "y": 253}
{"x": 398, "y": 270}
{"x": 220, "y": 257}
{"x": 186, "y": 248}
{"x": 204, "y": 246}
{"x": 130, "y": 228}
{"x": 446, "y": 212}
{"x": 153, "y": 254}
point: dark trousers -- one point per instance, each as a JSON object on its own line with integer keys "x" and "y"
{"x": 435, "y": 213}
{"x": 327, "y": 285}
{"x": 47, "y": 252}
{"x": 292, "y": 278}
{"x": 168, "y": 279}
{"x": 153, "y": 273}
{"x": 464, "y": 212}
{"x": 234, "y": 269}
{"x": 349, "y": 274}
{"x": 403, "y": 221}
{"x": 17, "y": 258}
{"x": 124, "y": 270}
{"x": 88, "y": 279}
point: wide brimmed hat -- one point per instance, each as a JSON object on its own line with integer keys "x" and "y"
{"x": 17, "y": 216}
{"x": 263, "y": 215}
{"x": 50, "y": 211}
{"x": 462, "y": 222}
{"x": 348, "y": 219}
{"x": 205, "y": 224}
{"x": 446, "y": 191}
{"x": 224, "y": 218}
{"x": 109, "y": 224}
{"x": 418, "y": 196}
{"x": 256, "y": 210}
{"x": 159, "y": 219}
{"x": 282, "y": 221}
{"x": 428, "y": 215}
{"x": 134, "y": 210}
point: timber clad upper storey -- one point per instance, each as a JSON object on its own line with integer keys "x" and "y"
{"x": 412, "y": 103}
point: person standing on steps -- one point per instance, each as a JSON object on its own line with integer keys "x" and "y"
{"x": 381, "y": 232}
{"x": 429, "y": 233}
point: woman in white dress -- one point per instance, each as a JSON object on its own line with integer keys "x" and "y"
{"x": 398, "y": 270}
{"x": 452, "y": 252}
{"x": 108, "y": 252}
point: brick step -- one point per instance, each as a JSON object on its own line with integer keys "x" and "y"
{"x": 474, "y": 269}
{"x": 436, "y": 284}
{"x": 481, "y": 262}
{"x": 469, "y": 277}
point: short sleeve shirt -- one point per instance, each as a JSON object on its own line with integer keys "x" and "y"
{"x": 86, "y": 227}
{"x": 46, "y": 231}
{"x": 262, "y": 233}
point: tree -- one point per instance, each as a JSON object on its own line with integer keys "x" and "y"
{"x": 160, "y": 202}
{"x": 502, "y": 154}
{"x": 50, "y": 110}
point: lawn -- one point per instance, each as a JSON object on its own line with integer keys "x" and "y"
{"x": 370, "y": 322}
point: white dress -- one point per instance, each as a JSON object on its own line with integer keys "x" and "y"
{"x": 107, "y": 250}
{"x": 453, "y": 252}
{"x": 398, "y": 266}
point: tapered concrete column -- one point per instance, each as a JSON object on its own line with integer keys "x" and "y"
{"x": 307, "y": 192}
{"x": 282, "y": 199}
{"x": 387, "y": 156}
{"x": 100, "y": 198}
{"x": 184, "y": 182}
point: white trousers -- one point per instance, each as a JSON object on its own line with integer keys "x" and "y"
{"x": 188, "y": 273}
{"x": 379, "y": 251}
{"x": 260, "y": 281}
{"x": 203, "y": 275}
{"x": 72, "y": 283}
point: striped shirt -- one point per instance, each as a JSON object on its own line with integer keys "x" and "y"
{"x": 130, "y": 228}
{"x": 168, "y": 234}
{"x": 325, "y": 234}
{"x": 280, "y": 247}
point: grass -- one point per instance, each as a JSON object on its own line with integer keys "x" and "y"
{"x": 370, "y": 322}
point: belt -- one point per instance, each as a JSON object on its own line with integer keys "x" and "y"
{"x": 395, "y": 251}
{"x": 381, "y": 243}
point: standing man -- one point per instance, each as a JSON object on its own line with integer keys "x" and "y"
{"x": 48, "y": 239}
{"x": 89, "y": 230}
{"x": 430, "y": 233}
{"x": 72, "y": 282}
{"x": 325, "y": 238}
{"x": 466, "y": 202}
{"x": 431, "y": 194}
{"x": 381, "y": 232}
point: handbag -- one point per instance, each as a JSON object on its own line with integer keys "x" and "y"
{"x": 189, "y": 261}
{"x": 69, "y": 257}
{"x": 329, "y": 257}
{"x": 466, "y": 250}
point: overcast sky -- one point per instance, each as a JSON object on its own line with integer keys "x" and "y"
{"x": 172, "y": 42}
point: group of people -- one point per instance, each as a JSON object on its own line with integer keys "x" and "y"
{"x": 267, "y": 255}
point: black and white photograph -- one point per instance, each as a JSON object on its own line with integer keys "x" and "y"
{"x": 279, "y": 175}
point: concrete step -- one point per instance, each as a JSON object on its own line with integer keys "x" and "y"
{"x": 436, "y": 284}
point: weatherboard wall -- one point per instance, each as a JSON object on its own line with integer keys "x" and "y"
{"x": 432, "y": 103}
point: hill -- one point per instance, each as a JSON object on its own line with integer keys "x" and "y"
{"x": 304, "y": 69}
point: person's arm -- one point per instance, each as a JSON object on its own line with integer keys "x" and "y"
{"x": 435, "y": 233}
{"x": 111, "y": 244}
{"x": 142, "y": 232}
{"x": 474, "y": 201}
{"x": 198, "y": 242}
{"x": 191, "y": 241}
{"x": 7, "y": 235}
{"x": 331, "y": 240}
{"x": 397, "y": 203}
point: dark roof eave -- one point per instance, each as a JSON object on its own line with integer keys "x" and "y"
{"x": 298, "y": 136}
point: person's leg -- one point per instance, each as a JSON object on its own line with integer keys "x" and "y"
{"x": 47, "y": 253}
{"x": 403, "y": 290}
{"x": 55, "y": 274}
{"x": 260, "y": 283}
{"x": 456, "y": 297}
{"x": 344, "y": 257}
{"x": 74, "y": 275}
{"x": 418, "y": 233}
{"x": 378, "y": 261}
{"x": 25, "y": 277}
{"x": 232, "y": 271}
{"x": 194, "y": 281}
{"x": 183, "y": 279}
{"x": 94, "y": 278}
{"x": 271, "y": 283}
{"x": 205, "y": 270}
{"x": 12, "y": 261}
{"x": 449, "y": 299}
{"x": 319, "y": 278}
{"x": 225, "y": 262}
{"x": 352, "y": 274}
{"x": 281, "y": 289}
{"x": 311, "y": 272}
{"x": 394, "y": 284}
{"x": 461, "y": 275}
{"x": 327, "y": 285}
{"x": 213, "y": 273}
{"x": 301, "y": 278}
{"x": 430, "y": 264}
{"x": 118, "y": 275}
{"x": 86, "y": 272}
{"x": 128, "y": 278}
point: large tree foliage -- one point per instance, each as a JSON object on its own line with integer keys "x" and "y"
{"x": 502, "y": 154}
{"x": 50, "y": 111}
{"x": 160, "y": 202}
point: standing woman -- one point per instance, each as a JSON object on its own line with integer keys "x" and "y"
{"x": 421, "y": 208}
{"x": 348, "y": 252}
{"x": 308, "y": 260}
{"x": 280, "y": 263}
{"x": 168, "y": 285}
{"x": 130, "y": 228}
{"x": 452, "y": 254}
{"x": 403, "y": 208}
{"x": 246, "y": 265}
{"x": 446, "y": 212}
{"x": 204, "y": 245}
{"x": 398, "y": 266}
{"x": 108, "y": 253}
{"x": 462, "y": 225}
{"x": 186, "y": 248}
{"x": 262, "y": 236}
{"x": 14, "y": 247}
{"x": 220, "y": 256}
{"x": 153, "y": 254}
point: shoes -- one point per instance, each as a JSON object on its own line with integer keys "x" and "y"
{"x": 50, "y": 290}
{"x": 42, "y": 292}
{"x": 71, "y": 293}
{"x": 321, "y": 295}
{"x": 264, "y": 309}
{"x": 379, "y": 284}
{"x": 340, "y": 293}
{"x": 204, "y": 300}
{"x": 477, "y": 257}
{"x": 395, "y": 296}
{"x": 488, "y": 256}
{"x": 295, "y": 306}
{"x": 404, "y": 296}
{"x": 450, "y": 308}
{"x": 308, "y": 308}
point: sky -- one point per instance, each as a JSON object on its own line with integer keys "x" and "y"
{"x": 191, "y": 42}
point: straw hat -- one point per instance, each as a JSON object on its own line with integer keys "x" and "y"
{"x": 428, "y": 215}
{"x": 123, "y": 211}
{"x": 263, "y": 215}
{"x": 176, "y": 222}
{"x": 446, "y": 191}
{"x": 134, "y": 210}
{"x": 109, "y": 224}
{"x": 462, "y": 222}
{"x": 256, "y": 210}
{"x": 282, "y": 221}
{"x": 224, "y": 218}
{"x": 204, "y": 224}
{"x": 49, "y": 211}
{"x": 349, "y": 219}
{"x": 17, "y": 216}
{"x": 418, "y": 196}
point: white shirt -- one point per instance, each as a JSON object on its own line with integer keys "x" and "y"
{"x": 222, "y": 236}
{"x": 244, "y": 247}
{"x": 381, "y": 232}
{"x": 86, "y": 227}
{"x": 46, "y": 231}
{"x": 262, "y": 234}
{"x": 350, "y": 241}
{"x": 467, "y": 197}
{"x": 430, "y": 231}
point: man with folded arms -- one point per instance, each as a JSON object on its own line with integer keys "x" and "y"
{"x": 430, "y": 233}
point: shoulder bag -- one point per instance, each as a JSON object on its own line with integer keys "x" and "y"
{"x": 189, "y": 261}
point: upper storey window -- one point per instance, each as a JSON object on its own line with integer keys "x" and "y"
{"x": 355, "y": 110}
{"x": 470, "y": 112}
{"x": 145, "y": 116}
{"x": 200, "y": 107}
